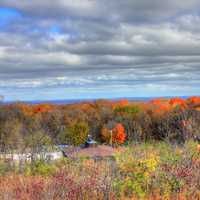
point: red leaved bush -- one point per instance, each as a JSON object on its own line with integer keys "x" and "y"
{"x": 86, "y": 181}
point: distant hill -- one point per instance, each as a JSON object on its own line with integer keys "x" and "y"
{"x": 72, "y": 101}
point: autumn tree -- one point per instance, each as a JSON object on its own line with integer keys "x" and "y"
{"x": 53, "y": 124}
{"x": 119, "y": 135}
{"x": 193, "y": 100}
{"x": 36, "y": 142}
{"x": 115, "y": 135}
{"x": 11, "y": 135}
{"x": 120, "y": 103}
{"x": 77, "y": 133}
{"x": 105, "y": 134}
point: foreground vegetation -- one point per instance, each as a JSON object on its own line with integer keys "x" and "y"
{"x": 137, "y": 171}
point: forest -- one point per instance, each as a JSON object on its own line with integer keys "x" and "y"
{"x": 173, "y": 120}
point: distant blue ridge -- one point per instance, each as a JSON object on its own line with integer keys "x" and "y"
{"x": 72, "y": 101}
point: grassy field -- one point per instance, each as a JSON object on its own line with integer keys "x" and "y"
{"x": 155, "y": 170}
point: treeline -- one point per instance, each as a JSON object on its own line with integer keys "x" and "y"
{"x": 25, "y": 126}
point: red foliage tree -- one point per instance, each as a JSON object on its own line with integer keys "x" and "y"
{"x": 119, "y": 135}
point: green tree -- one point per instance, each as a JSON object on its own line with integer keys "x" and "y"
{"x": 77, "y": 133}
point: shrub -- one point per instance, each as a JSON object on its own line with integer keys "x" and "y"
{"x": 4, "y": 167}
{"x": 40, "y": 167}
{"x": 135, "y": 172}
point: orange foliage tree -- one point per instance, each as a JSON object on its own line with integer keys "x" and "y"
{"x": 156, "y": 101}
{"x": 176, "y": 101}
{"x": 161, "y": 106}
{"x": 193, "y": 100}
{"x": 42, "y": 108}
{"x": 25, "y": 108}
{"x": 158, "y": 106}
{"x": 120, "y": 103}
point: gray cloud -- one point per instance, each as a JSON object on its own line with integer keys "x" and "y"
{"x": 104, "y": 45}
{"x": 113, "y": 10}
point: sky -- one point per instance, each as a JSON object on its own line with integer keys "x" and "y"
{"x": 77, "y": 49}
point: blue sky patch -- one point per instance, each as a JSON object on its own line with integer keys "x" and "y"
{"x": 7, "y": 15}
{"x": 55, "y": 29}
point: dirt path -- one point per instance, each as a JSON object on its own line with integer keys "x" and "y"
{"x": 99, "y": 151}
